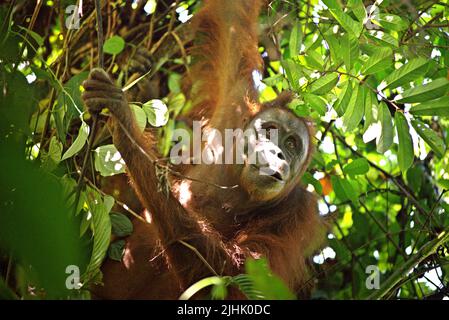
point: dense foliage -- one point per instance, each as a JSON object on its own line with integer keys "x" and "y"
{"x": 372, "y": 75}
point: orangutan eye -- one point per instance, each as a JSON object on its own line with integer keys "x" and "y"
{"x": 293, "y": 143}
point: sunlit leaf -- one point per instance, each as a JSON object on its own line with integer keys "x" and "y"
{"x": 357, "y": 167}
{"x": 435, "y": 89}
{"x": 79, "y": 142}
{"x": 407, "y": 73}
{"x": 437, "y": 107}
{"x": 385, "y": 139}
{"x": 344, "y": 190}
{"x": 430, "y": 137}
{"x": 405, "y": 149}
{"x": 114, "y": 45}
{"x": 380, "y": 60}
{"x": 157, "y": 112}
{"x": 295, "y": 40}
{"x": 108, "y": 161}
{"x": 140, "y": 116}
{"x": 356, "y": 108}
{"x": 324, "y": 84}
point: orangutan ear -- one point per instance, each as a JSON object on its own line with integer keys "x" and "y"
{"x": 284, "y": 98}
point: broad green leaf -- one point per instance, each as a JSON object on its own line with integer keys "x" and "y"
{"x": 407, "y": 73}
{"x": 334, "y": 48}
{"x": 174, "y": 82}
{"x": 39, "y": 40}
{"x": 405, "y": 148}
{"x": 121, "y": 225}
{"x": 324, "y": 84}
{"x": 356, "y": 108}
{"x": 271, "y": 287}
{"x": 316, "y": 102}
{"x": 295, "y": 40}
{"x": 157, "y": 112}
{"x": 293, "y": 73}
{"x": 379, "y": 61}
{"x": 430, "y": 137}
{"x": 358, "y": 8}
{"x": 391, "y": 22}
{"x": 344, "y": 97}
{"x": 432, "y": 90}
{"x": 350, "y": 25}
{"x": 101, "y": 230}
{"x": 108, "y": 161}
{"x": 385, "y": 138}
{"x": 371, "y": 110}
{"x": 414, "y": 178}
{"x": 79, "y": 142}
{"x": 383, "y": 38}
{"x": 51, "y": 159}
{"x": 312, "y": 60}
{"x": 176, "y": 103}
{"x": 114, "y": 45}
{"x": 350, "y": 50}
{"x": 357, "y": 167}
{"x": 140, "y": 115}
{"x": 308, "y": 178}
{"x": 117, "y": 250}
{"x": 438, "y": 107}
{"x": 273, "y": 81}
{"x": 344, "y": 190}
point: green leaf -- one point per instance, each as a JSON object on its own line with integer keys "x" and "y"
{"x": 316, "y": 102}
{"x": 307, "y": 178}
{"x": 101, "y": 230}
{"x": 356, "y": 108}
{"x": 357, "y": 167}
{"x": 269, "y": 285}
{"x": 358, "y": 9}
{"x": 203, "y": 283}
{"x": 121, "y": 225}
{"x": 39, "y": 40}
{"x": 407, "y": 73}
{"x": 79, "y": 142}
{"x": 174, "y": 82}
{"x": 295, "y": 40}
{"x": 324, "y": 84}
{"x": 382, "y": 38}
{"x": 414, "y": 178}
{"x": 405, "y": 149}
{"x": 114, "y": 45}
{"x": 176, "y": 103}
{"x": 140, "y": 115}
{"x": 371, "y": 110}
{"x": 385, "y": 139}
{"x": 293, "y": 73}
{"x": 391, "y": 22}
{"x": 438, "y": 107}
{"x": 430, "y": 137}
{"x": 108, "y": 161}
{"x": 117, "y": 250}
{"x": 432, "y": 90}
{"x": 379, "y": 61}
{"x": 344, "y": 97}
{"x": 351, "y": 26}
{"x": 51, "y": 159}
{"x": 350, "y": 50}
{"x": 344, "y": 190}
{"x": 157, "y": 112}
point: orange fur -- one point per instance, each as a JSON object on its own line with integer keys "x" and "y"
{"x": 225, "y": 55}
